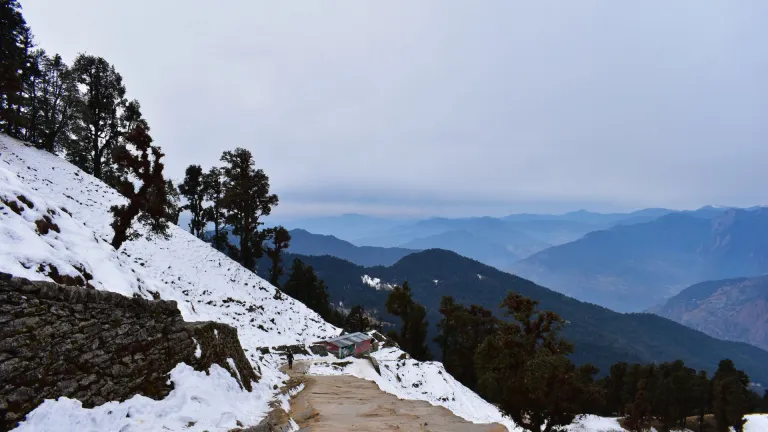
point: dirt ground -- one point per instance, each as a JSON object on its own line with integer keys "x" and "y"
{"x": 347, "y": 403}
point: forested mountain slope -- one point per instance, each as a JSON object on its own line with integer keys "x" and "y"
{"x": 601, "y": 336}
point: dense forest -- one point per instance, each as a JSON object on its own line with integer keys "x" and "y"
{"x": 523, "y": 366}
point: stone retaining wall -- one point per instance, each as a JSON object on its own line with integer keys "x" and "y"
{"x": 98, "y": 346}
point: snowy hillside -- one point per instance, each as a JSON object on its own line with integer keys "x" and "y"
{"x": 54, "y": 224}
{"x": 206, "y": 284}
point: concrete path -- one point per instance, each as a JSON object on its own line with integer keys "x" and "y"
{"x": 347, "y": 403}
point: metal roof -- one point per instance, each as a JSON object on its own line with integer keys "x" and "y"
{"x": 348, "y": 339}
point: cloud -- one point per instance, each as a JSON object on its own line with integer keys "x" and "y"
{"x": 385, "y": 107}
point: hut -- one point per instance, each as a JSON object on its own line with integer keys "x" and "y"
{"x": 349, "y": 344}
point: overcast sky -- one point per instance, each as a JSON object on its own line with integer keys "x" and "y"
{"x": 447, "y": 107}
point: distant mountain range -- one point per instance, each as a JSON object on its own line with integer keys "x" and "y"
{"x": 499, "y": 242}
{"x": 634, "y": 267}
{"x": 305, "y": 243}
{"x": 733, "y": 309}
{"x": 601, "y": 336}
{"x": 593, "y": 218}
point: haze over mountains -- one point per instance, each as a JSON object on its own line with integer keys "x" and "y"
{"x": 499, "y": 242}
{"x": 630, "y": 268}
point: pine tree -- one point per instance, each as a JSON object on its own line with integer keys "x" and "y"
{"x": 97, "y": 125}
{"x": 524, "y": 369}
{"x": 213, "y": 187}
{"x": 246, "y": 199}
{"x": 461, "y": 331}
{"x": 357, "y": 320}
{"x": 702, "y": 396}
{"x": 278, "y": 240}
{"x": 18, "y": 43}
{"x": 413, "y": 329}
{"x": 304, "y": 285}
{"x": 614, "y": 398}
{"x": 54, "y": 103}
{"x": 28, "y": 113}
{"x": 173, "y": 202}
{"x": 149, "y": 203}
{"x": 640, "y": 407}
{"x": 13, "y": 28}
{"x": 193, "y": 190}
{"x": 449, "y": 332}
{"x": 730, "y": 396}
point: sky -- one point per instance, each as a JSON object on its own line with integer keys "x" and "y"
{"x": 449, "y": 108}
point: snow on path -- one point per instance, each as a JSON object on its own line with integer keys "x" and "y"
{"x": 197, "y": 403}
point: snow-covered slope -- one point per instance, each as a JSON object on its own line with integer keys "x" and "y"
{"x": 206, "y": 284}
{"x": 54, "y": 223}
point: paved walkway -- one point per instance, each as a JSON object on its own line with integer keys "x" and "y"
{"x": 347, "y": 403}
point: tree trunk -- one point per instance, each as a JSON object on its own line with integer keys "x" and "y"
{"x": 273, "y": 276}
{"x": 96, "y": 162}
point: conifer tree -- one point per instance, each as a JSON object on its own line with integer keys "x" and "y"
{"x": 357, "y": 320}
{"x": 525, "y": 370}
{"x": 461, "y": 331}
{"x": 17, "y": 68}
{"x": 213, "y": 187}
{"x": 765, "y": 402}
{"x": 97, "y": 125}
{"x": 730, "y": 396}
{"x": 12, "y": 61}
{"x": 246, "y": 199}
{"x": 148, "y": 203}
{"x": 172, "y": 203}
{"x": 53, "y": 103}
{"x": 278, "y": 240}
{"x": 413, "y": 329}
{"x": 702, "y": 396}
{"x": 27, "y": 113}
{"x": 614, "y": 397}
{"x": 640, "y": 408}
{"x": 192, "y": 188}
{"x": 304, "y": 285}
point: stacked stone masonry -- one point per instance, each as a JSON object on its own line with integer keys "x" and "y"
{"x": 97, "y": 346}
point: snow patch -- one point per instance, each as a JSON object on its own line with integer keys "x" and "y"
{"x": 232, "y": 364}
{"x": 481, "y": 277}
{"x": 198, "y": 402}
{"x": 756, "y": 423}
{"x": 376, "y": 283}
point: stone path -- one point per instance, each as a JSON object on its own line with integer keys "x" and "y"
{"x": 347, "y": 403}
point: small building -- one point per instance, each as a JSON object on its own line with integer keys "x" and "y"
{"x": 349, "y": 344}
